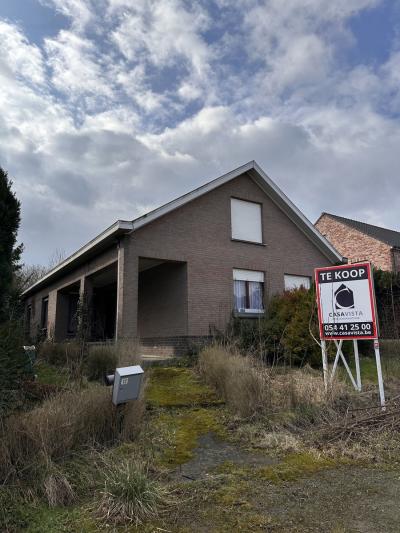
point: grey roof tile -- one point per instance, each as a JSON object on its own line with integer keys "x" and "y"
{"x": 388, "y": 236}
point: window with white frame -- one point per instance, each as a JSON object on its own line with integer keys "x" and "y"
{"x": 246, "y": 221}
{"x": 295, "y": 282}
{"x": 248, "y": 291}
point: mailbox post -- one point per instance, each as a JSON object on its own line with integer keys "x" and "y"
{"x": 127, "y": 384}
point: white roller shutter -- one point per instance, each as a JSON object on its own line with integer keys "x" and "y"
{"x": 246, "y": 220}
{"x": 248, "y": 275}
{"x": 295, "y": 282}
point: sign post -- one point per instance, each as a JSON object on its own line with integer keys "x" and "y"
{"x": 347, "y": 311}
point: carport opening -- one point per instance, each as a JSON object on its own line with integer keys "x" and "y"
{"x": 103, "y": 304}
{"x": 67, "y": 310}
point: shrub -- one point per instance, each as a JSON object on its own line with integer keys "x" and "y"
{"x": 284, "y": 334}
{"x": 390, "y": 348}
{"x": 129, "y": 495}
{"x": 14, "y": 366}
{"x": 53, "y": 353}
{"x": 101, "y": 360}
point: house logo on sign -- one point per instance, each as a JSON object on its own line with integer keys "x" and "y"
{"x": 344, "y": 297}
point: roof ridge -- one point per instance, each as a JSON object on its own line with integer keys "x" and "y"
{"x": 361, "y": 222}
{"x": 379, "y": 233}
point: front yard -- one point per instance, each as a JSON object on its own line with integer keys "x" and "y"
{"x": 223, "y": 472}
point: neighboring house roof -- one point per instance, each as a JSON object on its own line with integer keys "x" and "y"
{"x": 252, "y": 169}
{"x": 387, "y": 236}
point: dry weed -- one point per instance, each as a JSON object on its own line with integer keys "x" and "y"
{"x": 61, "y": 425}
{"x": 57, "y": 489}
{"x": 129, "y": 495}
{"x": 251, "y": 388}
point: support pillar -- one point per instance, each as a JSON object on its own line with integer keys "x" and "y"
{"x": 127, "y": 290}
{"x": 51, "y": 315}
{"x": 85, "y": 307}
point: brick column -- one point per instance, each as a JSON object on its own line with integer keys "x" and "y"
{"x": 127, "y": 290}
{"x": 85, "y": 302}
{"x": 51, "y": 315}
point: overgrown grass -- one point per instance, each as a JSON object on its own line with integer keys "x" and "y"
{"x": 33, "y": 443}
{"x": 173, "y": 387}
{"x": 180, "y": 432}
{"x": 101, "y": 360}
{"x": 51, "y": 375}
{"x": 74, "y": 360}
{"x": 251, "y": 389}
{"x": 70, "y": 355}
{"x": 52, "y": 452}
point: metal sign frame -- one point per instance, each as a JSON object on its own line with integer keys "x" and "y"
{"x": 372, "y": 302}
{"x": 339, "y": 339}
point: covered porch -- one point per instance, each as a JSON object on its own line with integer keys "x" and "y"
{"x": 102, "y": 306}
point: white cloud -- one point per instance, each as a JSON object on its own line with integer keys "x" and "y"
{"x": 131, "y": 106}
{"x": 164, "y": 30}
{"x": 80, "y": 12}
{"x": 19, "y": 58}
{"x": 76, "y": 68}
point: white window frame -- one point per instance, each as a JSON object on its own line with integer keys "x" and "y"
{"x": 296, "y": 277}
{"x": 248, "y": 276}
{"x": 246, "y": 221}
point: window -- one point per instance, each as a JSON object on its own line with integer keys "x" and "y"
{"x": 248, "y": 291}
{"x": 44, "y": 315}
{"x": 246, "y": 221}
{"x": 295, "y": 282}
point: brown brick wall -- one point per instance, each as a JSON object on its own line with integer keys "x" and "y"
{"x": 162, "y": 308}
{"x": 199, "y": 233}
{"x": 353, "y": 244}
{"x": 170, "y": 346}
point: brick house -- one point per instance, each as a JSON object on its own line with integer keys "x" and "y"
{"x": 169, "y": 277}
{"x": 359, "y": 241}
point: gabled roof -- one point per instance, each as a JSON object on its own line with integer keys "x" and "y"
{"x": 387, "y": 236}
{"x": 252, "y": 169}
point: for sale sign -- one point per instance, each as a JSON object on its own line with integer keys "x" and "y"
{"x": 346, "y": 302}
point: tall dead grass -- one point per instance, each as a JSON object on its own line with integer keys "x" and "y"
{"x": 31, "y": 443}
{"x": 250, "y": 388}
{"x": 104, "y": 358}
{"x": 90, "y": 360}
{"x": 70, "y": 355}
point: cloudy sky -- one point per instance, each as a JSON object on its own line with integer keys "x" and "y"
{"x": 109, "y": 108}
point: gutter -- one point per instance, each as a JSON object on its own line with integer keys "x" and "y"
{"x": 119, "y": 227}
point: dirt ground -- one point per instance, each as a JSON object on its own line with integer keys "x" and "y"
{"x": 345, "y": 499}
{"x": 222, "y": 485}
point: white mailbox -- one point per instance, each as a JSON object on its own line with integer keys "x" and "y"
{"x": 127, "y": 383}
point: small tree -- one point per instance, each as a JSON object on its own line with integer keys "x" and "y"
{"x": 10, "y": 216}
{"x": 14, "y": 363}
